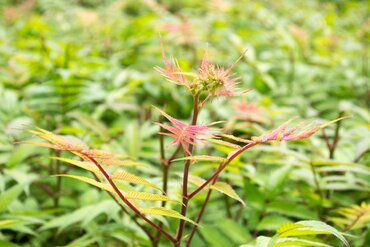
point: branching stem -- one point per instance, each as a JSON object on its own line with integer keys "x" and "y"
{"x": 221, "y": 168}
{"x": 128, "y": 203}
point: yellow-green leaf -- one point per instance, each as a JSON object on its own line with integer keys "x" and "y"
{"x": 224, "y": 143}
{"x": 166, "y": 212}
{"x": 288, "y": 227}
{"x": 284, "y": 242}
{"x": 125, "y": 176}
{"x": 147, "y": 196}
{"x": 198, "y": 181}
{"x": 234, "y": 138}
{"x": 331, "y": 122}
{"x": 103, "y": 186}
{"x": 42, "y": 144}
{"x": 82, "y": 164}
{"x": 9, "y": 223}
{"x": 353, "y": 217}
{"x": 227, "y": 190}
{"x": 309, "y": 227}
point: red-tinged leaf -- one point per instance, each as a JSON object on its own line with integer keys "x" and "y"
{"x": 44, "y": 144}
{"x": 202, "y": 158}
{"x": 172, "y": 70}
{"x": 100, "y": 185}
{"x": 82, "y": 164}
{"x": 297, "y": 132}
{"x": 60, "y": 142}
{"x": 98, "y": 154}
{"x": 183, "y": 133}
{"x": 114, "y": 162}
{"x": 234, "y": 138}
{"x": 125, "y": 176}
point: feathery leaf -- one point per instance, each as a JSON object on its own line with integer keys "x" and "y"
{"x": 125, "y": 176}
{"x": 166, "y": 212}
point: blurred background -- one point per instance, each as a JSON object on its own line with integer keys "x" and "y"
{"x": 86, "y": 68}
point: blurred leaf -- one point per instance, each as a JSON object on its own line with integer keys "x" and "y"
{"x": 214, "y": 237}
{"x": 9, "y": 196}
{"x": 4, "y": 243}
{"x": 92, "y": 124}
{"x": 272, "y": 222}
{"x": 202, "y": 158}
{"x": 277, "y": 179}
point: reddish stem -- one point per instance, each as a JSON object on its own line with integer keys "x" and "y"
{"x": 126, "y": 211}
{"x": 221, "y": 168}
{"x": 128, "y": 203}
{"x": 185, "y": 198}
{"x": 200, "y": 215}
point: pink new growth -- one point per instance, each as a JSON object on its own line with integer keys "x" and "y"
{"x": 172, "y": 71}
{"x": 183, "y": 133}
{"x": 282, "y": 134}
{"x": 226, "y": 82}
{"x": 249, "y": 111}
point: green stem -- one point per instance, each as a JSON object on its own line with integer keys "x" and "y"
{"x": 58, "y": 185}
{"x": 336, "y": 137}
{"x": 318, "y": 188}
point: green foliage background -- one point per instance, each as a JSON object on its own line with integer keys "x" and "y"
{"x": 85, "y": 68}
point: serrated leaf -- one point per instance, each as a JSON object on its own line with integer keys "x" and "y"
{"x": 96, "y": 153}
{"x": 321, "y": 226}
{"x": 283, "y": 242}
{"x": 82, "y": 164}
{"x": 202, "y": 158}
{"x": 147, "y": 196}
{"x": 309, "y": 227}
{"x": 227, "y": 190}
{"x": 100, "y": 185}
{"x": 288, "y": 227}
{"x": 125, "y": 176}
{"x": 353, "y": 217}
{"x": 166, "y": 212}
